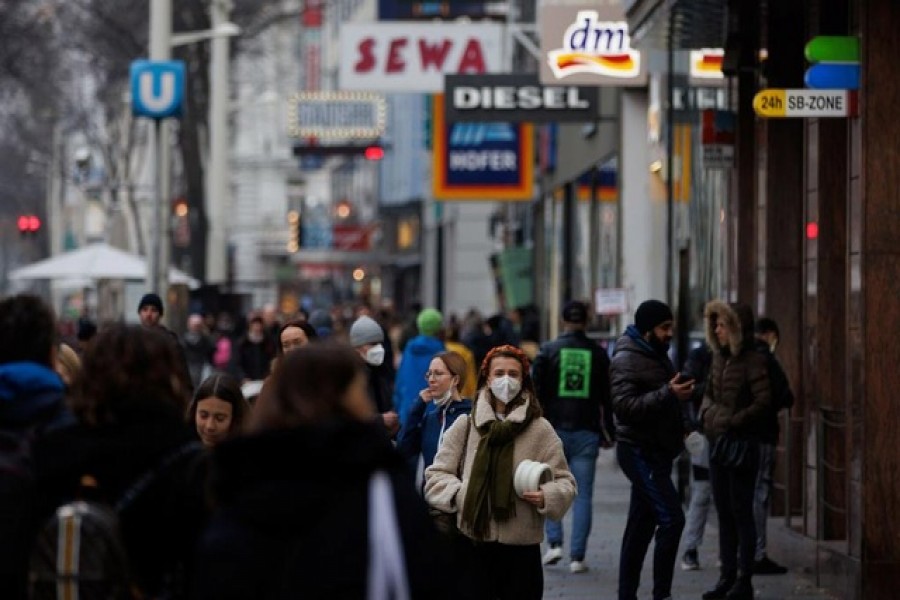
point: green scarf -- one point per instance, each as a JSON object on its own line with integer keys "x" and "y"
{"x": 490, "y": 493}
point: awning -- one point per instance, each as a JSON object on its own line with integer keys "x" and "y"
{"x": 693, "y": 24}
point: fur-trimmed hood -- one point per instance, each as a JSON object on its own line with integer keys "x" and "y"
{"x": 738, "y": 320}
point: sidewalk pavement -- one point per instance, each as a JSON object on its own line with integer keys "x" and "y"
{"x": 611, "y": 494}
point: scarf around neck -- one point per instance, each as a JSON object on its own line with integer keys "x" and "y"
{"x": 490, "y": 493}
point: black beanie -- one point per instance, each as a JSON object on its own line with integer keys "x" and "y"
{"x": 151, "y": 300}
{"x": 650, "y": 314}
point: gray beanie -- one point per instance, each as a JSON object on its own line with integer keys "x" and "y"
{"x": 365, "y": 331}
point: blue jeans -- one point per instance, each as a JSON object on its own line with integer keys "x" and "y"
{"x": 581, "y": 449}
{"x": 654, "y": 509}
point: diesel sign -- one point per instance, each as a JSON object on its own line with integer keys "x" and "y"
{"x": 516, "y": 98}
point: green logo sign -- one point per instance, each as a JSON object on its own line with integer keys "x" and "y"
{"x": 574, "y": 373}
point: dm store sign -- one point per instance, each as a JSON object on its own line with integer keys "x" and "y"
{"x": 481, "y": 161}
{"x": 588, "y": 46}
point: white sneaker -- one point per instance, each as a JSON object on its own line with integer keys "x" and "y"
{"x": 577, "y": 566}
{"x": 553, "y": 555}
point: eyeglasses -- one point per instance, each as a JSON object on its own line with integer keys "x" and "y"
{"x": 435, "y": 374}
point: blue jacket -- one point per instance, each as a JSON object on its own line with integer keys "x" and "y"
{"x": 31, "y": 404}
{"x": 411, "y": 375}
{"x": 32, "y": 395}
{"x": 427, "y": 422}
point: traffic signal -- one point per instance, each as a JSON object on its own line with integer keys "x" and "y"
{"x": 374, "y": 151}
{"x": 28, "y": 224}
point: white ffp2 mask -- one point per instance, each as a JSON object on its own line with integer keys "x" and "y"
{"x": 375, "y": 355}
{"x": 505, "y": 388}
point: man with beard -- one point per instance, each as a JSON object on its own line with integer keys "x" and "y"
{"x": 647, "y": 394}
{"x": 254, "y": 353}
{"x": 198, "y": 349}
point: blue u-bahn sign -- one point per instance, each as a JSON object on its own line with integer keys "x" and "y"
{"x": 157, "y": 88}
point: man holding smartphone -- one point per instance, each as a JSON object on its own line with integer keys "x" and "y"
{"x": 647, "y": 394}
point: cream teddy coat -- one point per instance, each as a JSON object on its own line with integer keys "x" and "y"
{"x": 445, "y": 490}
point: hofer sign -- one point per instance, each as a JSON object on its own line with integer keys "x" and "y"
{"x": 414, "y": 56}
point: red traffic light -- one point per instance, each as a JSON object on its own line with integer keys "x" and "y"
{"x": 28, "y": 224}
{"x": 374, "y": 153}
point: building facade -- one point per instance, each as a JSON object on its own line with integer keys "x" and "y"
{"x": 812, "y": 228}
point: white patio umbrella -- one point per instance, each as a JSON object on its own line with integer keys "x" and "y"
{"x": 97, "y": 261}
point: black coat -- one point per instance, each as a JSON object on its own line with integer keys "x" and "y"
{"x": 32, "y": 407}
{"x": 292, "y": 518}
{"x": 647, "y": 413}
{"x": 581, "y": 402}
{"x": 161, "y": 526}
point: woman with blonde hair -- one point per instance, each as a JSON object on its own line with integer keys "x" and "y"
{"x": 475, "y": 474}
{"x": 440, "y": 405}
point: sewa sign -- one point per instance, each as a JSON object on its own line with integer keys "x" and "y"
{"x": 517, "y": 98}
{"x": 414, "y": 57}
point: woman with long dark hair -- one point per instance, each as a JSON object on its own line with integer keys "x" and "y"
{"x": 130, "y": 401}
{"x": 218, "y": 410}
{"x": 313, "y": 501}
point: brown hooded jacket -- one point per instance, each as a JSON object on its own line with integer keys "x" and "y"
{"x": 737, "y": 395}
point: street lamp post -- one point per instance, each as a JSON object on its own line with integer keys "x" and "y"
{"x": 160, "y": 49}
{"x": 217, "y": 188}
{"x": 162, "y": 40}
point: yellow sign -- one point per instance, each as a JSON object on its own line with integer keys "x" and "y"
{"x": 775, "y": 103}
{"x": 769, "y": 103}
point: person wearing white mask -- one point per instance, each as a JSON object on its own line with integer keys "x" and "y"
{"x": 440, "y": 406}
{"x": 367, "y": 338}
{"x": 473, "y": 476}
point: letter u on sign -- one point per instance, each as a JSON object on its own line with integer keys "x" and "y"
{"x": 157, "y": 88}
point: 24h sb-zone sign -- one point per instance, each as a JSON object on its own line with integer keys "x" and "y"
{"x": 413, "y": 56}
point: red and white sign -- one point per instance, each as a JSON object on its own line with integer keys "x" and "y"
{"x": 351, "y": 237}
{"x": 413, "y": 56}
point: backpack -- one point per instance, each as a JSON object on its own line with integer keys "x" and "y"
{"x": 79, "y": 552}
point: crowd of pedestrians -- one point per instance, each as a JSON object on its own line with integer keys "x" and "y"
{"x": 350, "y": 454}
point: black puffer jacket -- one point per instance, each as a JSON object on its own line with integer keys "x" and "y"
{"x": 292, "y": 519}
{"x": 647, "y": 413}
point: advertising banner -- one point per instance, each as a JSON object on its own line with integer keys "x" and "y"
{"x": 411, "y": 56}
{"x": 481, "y": 161}
{"x": 516, "y": 99}
{"x": 588, "y": 45}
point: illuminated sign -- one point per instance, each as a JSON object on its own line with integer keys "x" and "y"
{"x": 336, "y": 115}
{"x": 835, "y": 63}
{"x": 588, "y": 45}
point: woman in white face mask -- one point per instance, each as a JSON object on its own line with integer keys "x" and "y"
{"x": 474, "y": 475}
{"x": 440, "y": 405}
